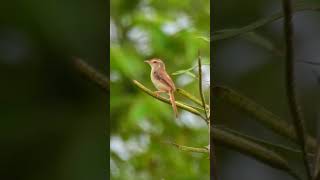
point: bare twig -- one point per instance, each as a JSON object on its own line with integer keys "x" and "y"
{"x": 251, "y": 149}
{"x": 309, "y": 62}
{"x": 273, "y": 146}
{"x": 200, "y": 88}
{"x": 290, "y": 84}
{"x": 191, "y": 97}
{"x": 316, "y": 160}
{"x": 212, "y": 150}
{"x": 194, "y": 107}
{"x": 91, "y": 73}
{"x": 189, "y": 149}
{"x": 262, "y": 22}
{"x": 316, "y": 172}
{"x": 261, "y": 114}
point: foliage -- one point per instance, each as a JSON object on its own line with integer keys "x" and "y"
{"x": 141, "y": 125}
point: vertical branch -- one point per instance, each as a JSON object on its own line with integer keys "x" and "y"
{"x": 317, "y": 163}
{"x": 290, "y": 83}
{"x": 200, "y": 89}
{"x": 316, "y": 160}
{"x": 213, "y": 157}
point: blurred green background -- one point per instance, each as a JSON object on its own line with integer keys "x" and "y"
{"x": 53, "y": 121}
{"x": 174, "y": 31}
{"x": 250, "y": 66}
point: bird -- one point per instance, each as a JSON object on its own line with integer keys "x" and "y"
{"x": 162, "y": 81}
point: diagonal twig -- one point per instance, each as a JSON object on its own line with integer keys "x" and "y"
{"x": 252, "y": 149}
{"x": 91, "y": 73}
{"x": 273, "y": 146}
{"x": 261, "y": 114}
{"x": 262, "y": 22}
{"x": 188, "y": 148}
{"x": 191, "y": 97}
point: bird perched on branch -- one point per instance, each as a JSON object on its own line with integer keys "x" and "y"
{"x": 162, "y": 81}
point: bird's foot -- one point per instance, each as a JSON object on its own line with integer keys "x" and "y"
{"x": 158, "y": 93}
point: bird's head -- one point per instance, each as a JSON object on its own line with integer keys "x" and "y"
{"x": 155, "y": 63}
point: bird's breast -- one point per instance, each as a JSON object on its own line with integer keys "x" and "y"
{"x": 157, "y": 83}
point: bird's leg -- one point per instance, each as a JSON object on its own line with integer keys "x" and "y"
{"x": 158, "y": 92}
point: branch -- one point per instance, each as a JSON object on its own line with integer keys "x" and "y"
{"x": 212, "y": 152}
{"x": 191, "y": 97}
{"x": 165, "y": 100}
{"x": 90, "y": 73}
{"x": 188, "y": 148}
{"x": 309, "y": 62}
{"x": 262, "y": 22}
{"x": 200, "y": 89}
{"x": 290, "y": 84}
{"x": 316, "y": 172}
{"x": 261, "y": 114}
{"x": 251, "y": 149}
{"x": 276, "y": 147}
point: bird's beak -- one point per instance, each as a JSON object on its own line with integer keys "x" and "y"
{"x": 146, "y": 61}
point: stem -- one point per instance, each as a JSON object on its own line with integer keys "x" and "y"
{"x": 189, "y": 149}
{"x": 273, "y": 146}
{"x": 251, "y": 149}
{"x": 191, "y": 97}
{"x": 316, "y": 171}
{"x": 91, "y": 73}
{"x": 261, "y": 114}
{"x": 262, "y": 22}
{"x": 200, "y": 89}
{"x": 290, "y": 84}
{"x": 212, "y": 150}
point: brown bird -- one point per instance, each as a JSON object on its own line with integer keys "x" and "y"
{"x": 162, "y": 81}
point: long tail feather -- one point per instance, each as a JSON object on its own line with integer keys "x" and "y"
{"x": 173, "y": 103}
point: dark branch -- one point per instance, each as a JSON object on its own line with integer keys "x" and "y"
{"x": 290, "y": 83}
{"x": 90, "y": 73}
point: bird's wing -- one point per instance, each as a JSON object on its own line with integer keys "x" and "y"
{"x": 164, "y": 78}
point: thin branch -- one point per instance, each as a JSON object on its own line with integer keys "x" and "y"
{"x": 200, "y": 88}
{"x": 262, "y": 22}
{"x": 188, "y": 148}
{"x": 213, "y": 157}
{"x": 261, "y": 114}
{"x": 276, "y": 147}
{"x": 309, "y": 62}
{"x": 290, "y": 84}
{"x": 212, "y": 151}
{"x": 316, "y": 172}
{"x": 91, "y": 74}
{"x": 165, "y": 100}
{"x": 316, "y": 161}
{"x": 183, "y": 71}
{"x": 251, "y": 149}
{"x": 191, "y": 97}
{"x": 194, "y": 107}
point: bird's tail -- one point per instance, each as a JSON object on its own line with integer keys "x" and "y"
{"x": 173, "y": 103}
